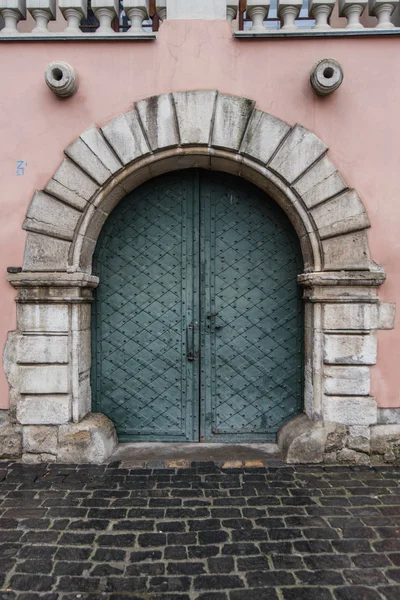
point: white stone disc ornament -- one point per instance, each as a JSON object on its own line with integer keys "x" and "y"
{"x": 61, "y": 78}
{"x": 326, "y": 76}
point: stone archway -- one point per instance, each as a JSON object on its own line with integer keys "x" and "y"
{"x": 48, "y": 358}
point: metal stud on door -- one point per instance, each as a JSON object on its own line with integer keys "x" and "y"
{"x": 197, "y": 321}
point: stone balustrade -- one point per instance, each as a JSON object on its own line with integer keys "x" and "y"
{"x": 141, "y": 18}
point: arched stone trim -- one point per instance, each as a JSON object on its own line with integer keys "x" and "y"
{"x": 207, "y": 129}
{"x": 47, "y": 359}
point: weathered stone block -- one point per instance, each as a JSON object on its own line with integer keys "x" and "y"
{"x": 58, "y": 190}
{"x": 386, "y": 315}
{"x": 92, "y": 440}
{"x": 342, "y": 214}
{"x": 350, "y": 410}
{"x": 350, "y": 349}
{"x": 389, "y": 416}
{"x": 298, "y": 152}
{"x": 81, "y": 154}
{"x": 37, "y": 459}
{"x": 44, "y": 410}
{"x": 346, "y": 381}
{"x": 10, "y": 437}
{"x": 42, "y": 349}
{"x": 44, "y": 379}
{"x": 97, "y": 144}
{"x": 359, "y": 438}
{"x": 302, "y": 441}
{"x": 321, "y": 182}
{"x": 44, "y": 253}
{"x": 232, "y": 115}
{"x": 348, "y": 251}
{"x": 384, "y": 438}
{"x": 263, "y": 136}
{"x": 158, "y": 119}
{"x": 74, "y": 179}
{"x": 49, "y": 216}
{"x": 40, "y": 438}
{"x": 349, "y": 316}
{"x": 336, "y": 439}
{"x": 194, "y": 112}
{"x": 43, "y": 317}
{"x": 351, "y": 457}
{"x": 125, "y": 136}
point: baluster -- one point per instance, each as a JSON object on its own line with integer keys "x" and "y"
{"x": 105, "y": 11}
{"x": 383, "y": 11}
{"x": 42, "y": 11}
{"x": 257, "y": 12}
{"x": 321, "y": 10}
{"x": 136, "y": 11}
{"x": 352, "y": 10}
{"x": 288, "y": 11}
{"x": 73, "y": 12}
{"x": 12, "y": 11}
{"x": 231, "y": 10}
{"x": 161, "y": 9}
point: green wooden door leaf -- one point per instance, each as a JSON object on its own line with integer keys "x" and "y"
{"x": 197, "y": 321}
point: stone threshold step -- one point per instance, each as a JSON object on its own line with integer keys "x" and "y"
{"x": 177, "y": 455}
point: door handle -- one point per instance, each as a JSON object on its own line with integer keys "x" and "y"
{"x": 211, "y": 316}
{"x": 192, "y": 353}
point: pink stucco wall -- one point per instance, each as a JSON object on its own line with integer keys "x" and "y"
{"x": 359, "y": 123}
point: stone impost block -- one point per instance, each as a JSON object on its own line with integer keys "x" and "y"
{"x": 298, "y": 152}
{"x": 44, "y": 379}
{"x": 44, "y": 318}
{"x": 350, "y": 410}
{"x": 75, "y": 180}
{"x": 210, "y": 10}
{"x": 33, "y": 349}
{"x": 350, "y": 349}
{"x": 97, "y": 144}
{"x": 194, "y": 111}
{"x": 348, "y": 251}
{"x": 40, "y": 438}
{"x": 232, "y": 115}
{"x": 318, "y": 184}
{"x": 346, "y": 381}
{"x": 91, "y": 440}
{"x": 82, "y": 155}
{"x": 43, "y": 253}
{"x": 44, "y": 410}
{"x": 48, "y": 216}
{"x": 125, "y": 136}
{"x": 263, "y": 136}
{"x": 342, "y": 214}
{"x": 158, "y": 119}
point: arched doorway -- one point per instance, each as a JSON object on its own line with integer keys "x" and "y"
{"x": 197, "y": 320}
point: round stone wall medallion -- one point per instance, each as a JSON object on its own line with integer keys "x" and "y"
{"x": 61, "y": 78}
{"x": 326, "y": 76}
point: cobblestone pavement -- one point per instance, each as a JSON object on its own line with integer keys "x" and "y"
{"x": 204, "y": 533}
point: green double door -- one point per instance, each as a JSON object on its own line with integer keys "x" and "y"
{"x": 197, "y": 320}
